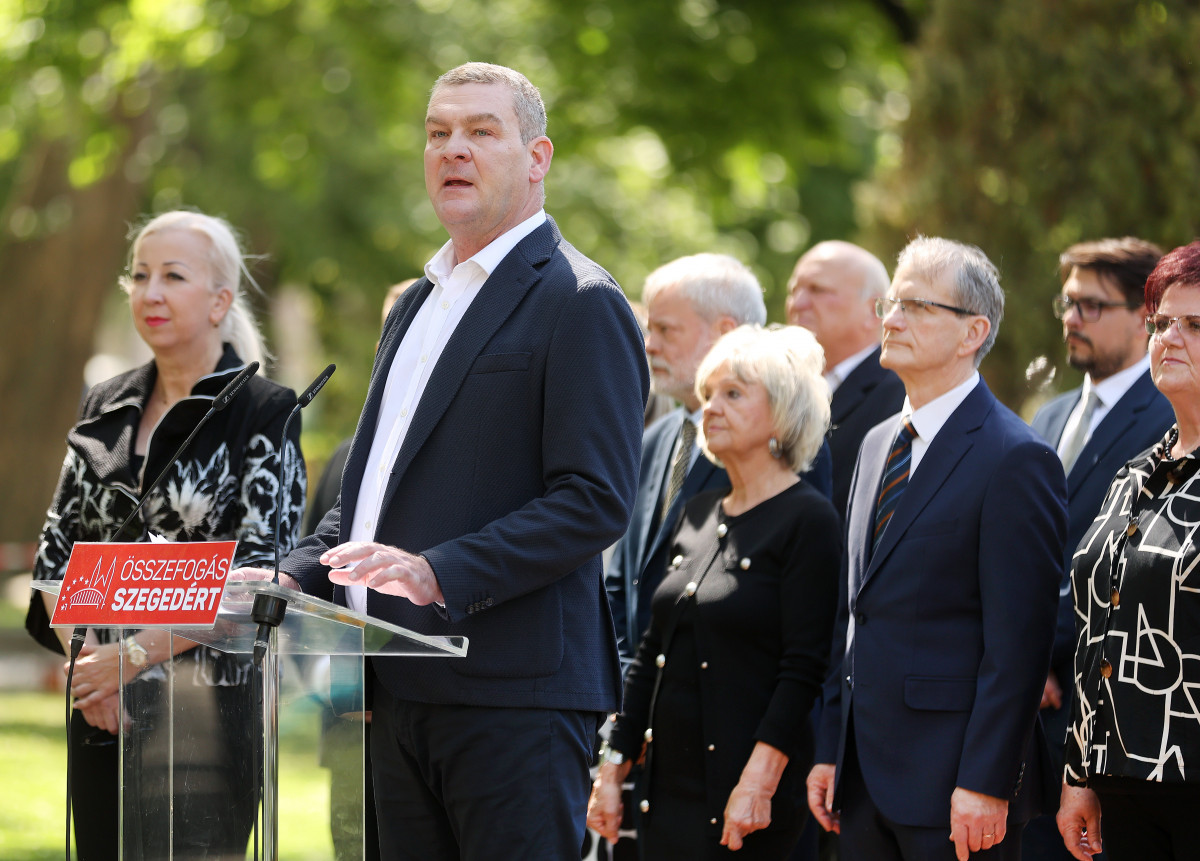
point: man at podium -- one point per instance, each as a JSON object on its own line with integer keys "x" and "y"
{"x": 495, "y": 458}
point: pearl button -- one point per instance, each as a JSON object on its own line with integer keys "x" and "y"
{"x": 445, "y": 305}
{"x": 712, "y": 747}
{"x": 712, "y": 821}
{"x": 745, "y": 563}
{"x": 424, "y": 359}
{"x": 690, "y": 589}
{"x": 403, "y": 413}
{"x": 704, "y": 665}
{"x": 644, "y": 806}
{"x": 648, "y": 735}
{"x": 660, "y": 661}
{"x": 676, "y": 561}
{"x": 722, "y": 530}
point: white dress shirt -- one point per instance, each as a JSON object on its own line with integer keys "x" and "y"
{"x": 455, "y": 287}
{"x": 929, "y": 419}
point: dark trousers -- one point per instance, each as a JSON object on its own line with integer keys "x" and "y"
{"x": 95, "y": 755}
{"x": 868, "y": 835}
{"x": 476, "y": 783}
{"x": 1145, "y": 821}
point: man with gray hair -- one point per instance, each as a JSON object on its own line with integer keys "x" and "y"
{"x": 690, "y": 303}
{"x": 832, "y": 293}
{"x": 929, "y": 744}
{"x": 479, "y": 493}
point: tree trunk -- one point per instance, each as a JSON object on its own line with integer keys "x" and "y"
{"x": 54, "y": 286}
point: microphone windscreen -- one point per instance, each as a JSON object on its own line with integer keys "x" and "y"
{"x": 235, "y": 385}
{"x": 311, "y": 392}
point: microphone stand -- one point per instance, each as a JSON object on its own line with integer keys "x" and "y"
{"x": 268, "y": 611}
{"x": 220, "y": 402}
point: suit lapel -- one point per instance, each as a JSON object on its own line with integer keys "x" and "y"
{"x": 869, "y": 474}
{"x": 497, "y": 299}
{"x": 1118, "y": 422}
{"x": 696, "y": 481}
{"x": 405, "y": 311}
{"x": 656, "y": 473}
{"x": 855, "y": 388}
{"x": 940, "y": 461}
{"x": 1058, "y": 421}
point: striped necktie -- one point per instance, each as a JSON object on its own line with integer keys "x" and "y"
{"x": 679, "y": 466}
{"x": 895, "y": 479}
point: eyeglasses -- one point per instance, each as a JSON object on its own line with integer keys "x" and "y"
{"x": 884, "y": 306}
{"x": 1160, "y": 324}
{"x": 1089, "y": 309}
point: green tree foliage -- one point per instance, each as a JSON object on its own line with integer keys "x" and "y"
{"x": 679, "y": 127}
{"x": 1036, "y": 125}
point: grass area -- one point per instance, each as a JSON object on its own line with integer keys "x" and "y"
{"x": 33, "y": 769}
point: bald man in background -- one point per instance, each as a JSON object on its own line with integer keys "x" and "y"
{"x": 832, "y": 293}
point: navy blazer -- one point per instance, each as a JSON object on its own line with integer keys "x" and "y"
{"x": 869, "y": 394}
{"x": 519, "y": 468}
{"x": 639, "y": 559}
{"x": 1137, "y": 421}
{"x": 944, "y": 633}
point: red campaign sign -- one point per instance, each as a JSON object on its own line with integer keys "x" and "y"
{"x": 144, "y": 585}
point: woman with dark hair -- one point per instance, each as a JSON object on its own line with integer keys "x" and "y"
{"x": 719, "y": 694}
{"x": 185, "y": 294}
{"x": 1133, "y": 751}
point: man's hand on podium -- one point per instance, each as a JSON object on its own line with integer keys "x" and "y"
{"x": 239, "y": 575}
{"x": 386, "y": 569}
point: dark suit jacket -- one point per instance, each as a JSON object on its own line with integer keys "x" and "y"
{"x": 868, "y": 395}
{"x": 519, "y": 468}
{"x": 944, "y": 634}
{"x": 639, "y": 559}
{"x": 1135, "y": 422}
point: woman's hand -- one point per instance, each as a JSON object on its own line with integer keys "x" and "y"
{"x": 96, "y": 676}
{"x": 105, "y": 715}
{"x": 605, "y": 810}
{"x": 748, "y": 810}
{"x": 749, "y": 806}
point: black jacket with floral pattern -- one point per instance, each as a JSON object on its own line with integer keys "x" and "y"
{"x": 223, "y": 487}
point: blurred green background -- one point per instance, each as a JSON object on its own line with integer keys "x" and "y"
{"x": 751, "y": 127}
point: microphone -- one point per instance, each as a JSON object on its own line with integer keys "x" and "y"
{"x": 231, "y": 391}
{"x": 268, "y": 610}
{"x": 220, "y": 402}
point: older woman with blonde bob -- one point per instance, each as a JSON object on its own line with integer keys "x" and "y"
{"x": 185, "y": 287}
{"x": 718, "y": 698}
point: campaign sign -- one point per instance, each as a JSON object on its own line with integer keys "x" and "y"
{"x": 144, "y": 585}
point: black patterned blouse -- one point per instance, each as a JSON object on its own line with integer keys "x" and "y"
{"x": 1135, "y": 579}
{"x": 223, "y": 487}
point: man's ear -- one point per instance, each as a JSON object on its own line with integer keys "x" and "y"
{"x": 726, "y": 324}
{"x": 541, "y": 151}
{"x": 976, "y": 334}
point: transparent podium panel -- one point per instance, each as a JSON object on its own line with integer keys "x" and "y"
{"x": 212, "y": 745}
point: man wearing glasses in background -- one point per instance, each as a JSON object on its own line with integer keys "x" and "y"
{"x": 929, "y": 745}
{"x": 1096, "y": 428}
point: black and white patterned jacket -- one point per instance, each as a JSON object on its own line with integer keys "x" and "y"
{"x": 223, "y": 487}
{"x": 1135, "y": 579}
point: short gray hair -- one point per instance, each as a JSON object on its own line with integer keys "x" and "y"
{"x": 527, "y": 101}
{"x": 976, "y": 279}
{"x": 717, "y": 285}
{"x": 788, "y": 363}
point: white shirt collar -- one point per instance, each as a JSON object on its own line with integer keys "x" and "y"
{"x": 1112, "y": 389}
{"x": 929, "y": 419}
{"x": 441, "y": 265}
